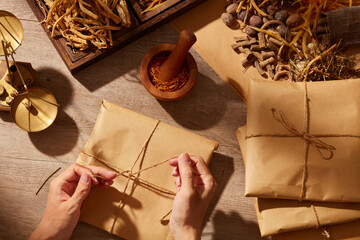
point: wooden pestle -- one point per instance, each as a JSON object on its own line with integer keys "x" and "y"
{"x": 172, "y": 65}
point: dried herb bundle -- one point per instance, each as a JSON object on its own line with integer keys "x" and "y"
{"x": 287, "y": 30}
{"x": 86, "y": 23}
{"x": 325, "y": 64}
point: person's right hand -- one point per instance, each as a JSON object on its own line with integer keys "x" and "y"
{"x": 196, "y": 187}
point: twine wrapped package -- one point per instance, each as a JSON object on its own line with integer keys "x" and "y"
{"x": 346, "y": 231}
{"x": 303, "y": 140}
{"x": 277, "y": 215}
{"x": 137, "y": 147}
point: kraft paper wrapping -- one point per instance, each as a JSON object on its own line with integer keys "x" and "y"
{"x": 214, "y": 40}
{"x": 277, "y": 216}
{"x": 289, "y": 159}
{"x": 346, "y": 231}
{"x": 119, "y": 137}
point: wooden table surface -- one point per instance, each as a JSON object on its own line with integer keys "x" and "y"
{"x": 212, "y": 110}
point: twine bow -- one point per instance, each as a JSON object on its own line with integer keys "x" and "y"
{"x": 311, "y": 139}
{"x": 325, "y": 150}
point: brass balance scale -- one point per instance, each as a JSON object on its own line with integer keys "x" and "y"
{"x": 32, "y": 108}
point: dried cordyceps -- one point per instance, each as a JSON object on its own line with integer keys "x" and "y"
{"x": 325, "y": 64}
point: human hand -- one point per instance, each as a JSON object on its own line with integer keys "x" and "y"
{"x": 66, "y": 195}
{"x": 196, "y": 187}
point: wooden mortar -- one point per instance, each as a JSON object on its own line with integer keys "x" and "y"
{"x": 171, "y": 67}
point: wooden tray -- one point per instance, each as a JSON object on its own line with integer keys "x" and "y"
{"x": 141, "y": 24}
{"x": 146, "y": 16}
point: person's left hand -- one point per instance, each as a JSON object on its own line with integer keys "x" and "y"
{"x": 66, "y": 194}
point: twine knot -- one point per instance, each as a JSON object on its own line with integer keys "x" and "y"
{"x": 325, "y": 150}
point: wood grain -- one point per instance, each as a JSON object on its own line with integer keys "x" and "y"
{"x": 211, "y": 109}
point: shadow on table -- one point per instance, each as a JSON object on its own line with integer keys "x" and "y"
{"x": 61, "y": 137}
{"x": 221, "y": 167}
{"x": 210, "y": 11}
{"x": 227, "y": 225}
{"x": 99, "y": 208}
{"x": 6, "y": 116}
{"x": 120, "y": 63}
{"x": 233, "y": 226}
{"x": 203, "y": 107}
{"x": 126, "y": 61}
{"x": 57, "y": 84}
{"x": 86, "y": 231}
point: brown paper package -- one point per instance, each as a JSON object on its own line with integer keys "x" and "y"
{"x": 120, "y": 136}
{"x": 346, "y": 231}
{"x": 278, "y": 140}
{"x": 277, "y": 216}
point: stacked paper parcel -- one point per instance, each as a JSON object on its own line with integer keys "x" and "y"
{"x": 302, "y": 151}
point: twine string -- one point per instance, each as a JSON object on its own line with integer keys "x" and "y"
{"x": 324, "y": 232}
{"x": 164, "y": 221}
{"x": 121, "y": 202}
{"x": 134, "y": 176}
{"x": 325, "y": 150}
{"x": 279, "y": 116}
{"x": 126, "y": 174}
{"x": 318, "y": 225}
{"x": 47, "y": 179}
{"x": 152, "y": 166}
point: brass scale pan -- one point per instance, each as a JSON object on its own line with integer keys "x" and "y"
{"x": 33, "y": 109}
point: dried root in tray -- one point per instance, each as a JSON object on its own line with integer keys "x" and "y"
{"x": 87, "y": 22}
